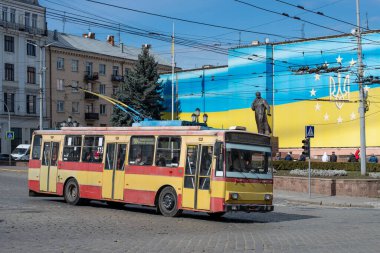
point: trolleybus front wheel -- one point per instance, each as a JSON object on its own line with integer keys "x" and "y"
{"x": 71, "y": 193}
{"x": 167, "y": 203}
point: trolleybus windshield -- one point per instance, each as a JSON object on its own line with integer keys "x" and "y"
{"x": 248, "y": 161}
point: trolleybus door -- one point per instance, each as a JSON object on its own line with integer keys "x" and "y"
{"x": 113, "y": 173}
{"x": 196, "y": 191}
{"x": 48, "y": 174}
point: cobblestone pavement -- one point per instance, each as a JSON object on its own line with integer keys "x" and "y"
{"x": 50, "y": 225}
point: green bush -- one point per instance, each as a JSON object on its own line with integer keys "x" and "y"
{"x": 291, "y": 165}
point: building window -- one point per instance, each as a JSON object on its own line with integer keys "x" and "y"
{"x": 34, "y": 20}
{"x": 9, "y": 100}
{"x": 60, "y": 106}
{"x": 115, "y": 70}
{"x": 102, "y": 89}
{"x": 74, "y": 65}
{"x": 31, "y": 48}
{"x": 9, "y": 72}
{"x": 60, "y": 84}
{"x": 115, "y": 90}
{"x": 75, "y": 107}
{"x": 60, "y": 63}
{"x": 27, "y": 19}
{"x": 126, "y": 71}
{"x": 142, "y": 150}
{"x": 102, "y": 109}
{"x": 13, "y": 16}
{"x": 31, "y": 102}
{"x": 31, "y": 75}
{"x": 102, "y": 69}
{"x": 5, "y": 14}
{"x": 9, "y": 43}
{"x": 89, "y": 68}
{"x": 74, "y": 85}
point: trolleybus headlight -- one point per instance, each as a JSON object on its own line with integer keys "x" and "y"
{"x": 234, "y": 195}
{"x": 268, "y": 196}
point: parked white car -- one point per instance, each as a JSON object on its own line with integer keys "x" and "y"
{"x": 21, "y": 152}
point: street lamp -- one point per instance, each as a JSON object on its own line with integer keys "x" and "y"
{"x": 69, "y": 123}
{"x": 196, "y": 114}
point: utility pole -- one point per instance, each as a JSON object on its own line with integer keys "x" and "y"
{"x": 173, "y": 73}
{"x": 363, "y": 156}
{"x": 41, "y": 87}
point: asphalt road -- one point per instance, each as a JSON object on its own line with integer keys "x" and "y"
{"x": 50, "y": 225}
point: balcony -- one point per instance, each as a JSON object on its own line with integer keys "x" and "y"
{"x": 91, "y": 116}
{"x": 90, "y": 96}
{"x": 23, "y": 27}
{"x": 91, "y": 76}
{"x": 117, "y": 78}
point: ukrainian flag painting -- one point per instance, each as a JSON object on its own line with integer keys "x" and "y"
{"x": 311, "y": 82}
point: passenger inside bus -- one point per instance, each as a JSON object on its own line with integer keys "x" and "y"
{"x": 161, "y": 161}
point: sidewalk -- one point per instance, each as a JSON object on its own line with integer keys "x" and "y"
{"x": 317, "y": 199}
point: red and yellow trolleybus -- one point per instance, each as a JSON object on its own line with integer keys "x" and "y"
{"x": 173, "y": 168}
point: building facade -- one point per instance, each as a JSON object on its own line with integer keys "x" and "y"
{"x": 97, "y": 66}
{"x": 22, "y": 32}
{"x": 306, "y": 82}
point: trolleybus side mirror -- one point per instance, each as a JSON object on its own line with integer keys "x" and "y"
{"x": 218, "y": 148}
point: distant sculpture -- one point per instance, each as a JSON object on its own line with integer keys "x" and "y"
{"x": 262, "y": 109}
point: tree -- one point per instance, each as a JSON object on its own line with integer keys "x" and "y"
{"x": 141, "y": 91}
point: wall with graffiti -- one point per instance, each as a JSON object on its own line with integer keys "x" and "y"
{"x": 306, "y": 83}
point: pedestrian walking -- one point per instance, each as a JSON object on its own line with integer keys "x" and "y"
{"x": 357, "y": 154}
{"x": 373, "y": 159}
{"x": 333, "y": 157}
{"x": 325, "y": 157}
{"x": 289, "y": 157}
{"x": 352, "y": 158}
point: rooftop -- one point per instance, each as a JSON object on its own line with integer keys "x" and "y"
{"x": 80, "y": 43}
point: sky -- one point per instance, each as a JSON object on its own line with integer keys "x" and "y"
{"x": 196, "y": 44}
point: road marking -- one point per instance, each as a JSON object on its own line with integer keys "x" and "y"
{"x": 19, "y": 171}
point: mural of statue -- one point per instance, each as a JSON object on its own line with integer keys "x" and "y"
{"x": 261, "y": 109}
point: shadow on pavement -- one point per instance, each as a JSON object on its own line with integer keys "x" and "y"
{"x": 227, "y": 218}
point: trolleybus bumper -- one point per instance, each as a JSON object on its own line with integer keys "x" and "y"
{"x": 249, "y": 208}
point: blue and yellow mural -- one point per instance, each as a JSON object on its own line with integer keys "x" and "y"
{"x": 311, "y": 82}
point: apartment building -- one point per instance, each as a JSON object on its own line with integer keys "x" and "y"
{"x": 22, "y": 32}
{"x": 96, "y": 65}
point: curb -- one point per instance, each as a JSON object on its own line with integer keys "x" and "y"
{"x": 331, "y": 204}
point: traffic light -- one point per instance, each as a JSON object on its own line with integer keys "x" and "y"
{"x": 306, "y": 147}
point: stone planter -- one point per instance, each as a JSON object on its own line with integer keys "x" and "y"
{"x": 331, "y": 187}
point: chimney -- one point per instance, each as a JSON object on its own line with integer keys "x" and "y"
{"x": 148, "y": 46}
{"x": 55, "y": 35}
{"x": 91, "y": 35}
{"x": 111, "y": 40}
{"x": 122, "y": 47}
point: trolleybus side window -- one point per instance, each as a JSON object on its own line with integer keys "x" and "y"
{"x": 142, "y": 150}
{"x": 36, "y": 152}
{"x": 168, "y": 151}
{"x": 72, "y": 148}
{"x": 93, "y": 149}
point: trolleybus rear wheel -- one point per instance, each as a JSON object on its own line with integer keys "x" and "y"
{"x": 71, "y": 194}
{"x": 167, "y": 202}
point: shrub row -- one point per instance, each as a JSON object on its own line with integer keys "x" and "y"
{"x": 292, "y": 165}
